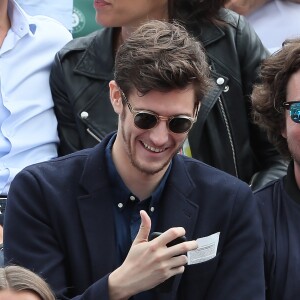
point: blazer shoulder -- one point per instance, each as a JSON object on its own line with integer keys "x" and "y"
{"x": 209, "y": 175}
{"x": 269, "y": 196}
{"x": 60, "y": 165}
{"x": 269, "y": 189}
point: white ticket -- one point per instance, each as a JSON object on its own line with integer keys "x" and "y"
{"x": 207, "y": 249}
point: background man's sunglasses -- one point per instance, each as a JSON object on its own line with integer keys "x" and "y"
{"x": 294, "y": 108}
{"x": 144, "y": 119}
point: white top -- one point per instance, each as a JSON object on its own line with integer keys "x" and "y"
{"x": 276, "y": 21}
{"x": 60, "y": 10}
{"x": 28, "y": 126}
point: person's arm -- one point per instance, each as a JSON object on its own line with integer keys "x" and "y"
{"x": 245, "y": 7}
{"x": 32, "y": 242}
{"x": 67, "y": 129}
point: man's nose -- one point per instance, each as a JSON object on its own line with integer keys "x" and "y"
{"x": 159, "y": 135}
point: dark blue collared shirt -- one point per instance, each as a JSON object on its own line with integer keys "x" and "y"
{"x": 127, "y": 211}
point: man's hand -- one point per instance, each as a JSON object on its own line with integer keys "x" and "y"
{"x": 245, "y": 7}
{"x": 149, "y": 263}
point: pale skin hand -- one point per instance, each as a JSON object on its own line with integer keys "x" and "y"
{"x": 149, "y": 263}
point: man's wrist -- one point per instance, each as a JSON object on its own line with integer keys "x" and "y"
{"x": 117, "y": 288}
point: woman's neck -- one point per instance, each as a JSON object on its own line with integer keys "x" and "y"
{"x": 4, "y": 21}
{"x": 122, "y": 33}
{"x": 3, "y": 31}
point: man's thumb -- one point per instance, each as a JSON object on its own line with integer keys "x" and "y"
{"x": 142, "y": 235}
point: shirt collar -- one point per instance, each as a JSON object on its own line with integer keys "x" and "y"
{"x": 20, "y": 21}
{"x": 290, "y": 184}
{"x": 119, "y": 185}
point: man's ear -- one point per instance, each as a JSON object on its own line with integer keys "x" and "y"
{"x": 283, "y": 129}
{"x": 283, "y": 132}
{"x": 115, "y": 97}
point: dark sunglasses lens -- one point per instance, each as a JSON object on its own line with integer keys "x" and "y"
{"x": 295, "y": 112}
{"x": 145, "y": 120}
{"x": 180, "y": 125}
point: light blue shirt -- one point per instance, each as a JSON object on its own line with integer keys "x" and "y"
{"x": 28, "y": 126}
{"x": 275, "y": 22}
{"x": 60, "y": 10}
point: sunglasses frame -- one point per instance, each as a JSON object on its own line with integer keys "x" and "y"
{"x": 158, "y": 117}
{"x": 287, "y": 106}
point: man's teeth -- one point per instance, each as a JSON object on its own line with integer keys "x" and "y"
{"x": 153, "y": 149}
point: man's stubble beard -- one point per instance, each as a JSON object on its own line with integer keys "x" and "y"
{"x": 130, "y": 153}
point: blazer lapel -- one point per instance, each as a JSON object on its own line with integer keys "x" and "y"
{"x": 177, "y": 208}
{"x": 96, "y": 212}
{"x": 97, "y": 217}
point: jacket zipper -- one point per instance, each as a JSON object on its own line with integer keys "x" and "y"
{"x": 93, "y": 135}
{"x": 229, "y": 136}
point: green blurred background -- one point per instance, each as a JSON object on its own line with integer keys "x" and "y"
{"x": 83, "y": 20}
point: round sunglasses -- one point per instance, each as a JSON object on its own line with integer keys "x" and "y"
{"x": 294, "y": 108}
{"x": 144, "y": 119}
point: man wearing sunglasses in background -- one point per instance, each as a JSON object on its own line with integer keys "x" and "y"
{"x": 276, "y": 103}
{"x": 90, "y": 214}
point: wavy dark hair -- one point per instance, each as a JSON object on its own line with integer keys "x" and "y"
{"x": 270, "y": 93}
{"x": 188, "y": 11}
{"x": 161, "y": 56}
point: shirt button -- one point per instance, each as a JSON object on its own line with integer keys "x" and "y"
{"x": 120, "y": 205}
{"x": 84, "y": 115}
{"x": 152, "y": 209}
{"x": 132, "y": 198}
{"x": 226, "y": 89}
{"x": 220, "y": 81}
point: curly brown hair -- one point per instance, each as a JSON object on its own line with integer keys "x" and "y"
{"x": 161, "y": 56}
{"x": 270, "y": 93}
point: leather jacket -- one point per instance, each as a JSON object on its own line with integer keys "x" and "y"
{"x": 223, "y": 136}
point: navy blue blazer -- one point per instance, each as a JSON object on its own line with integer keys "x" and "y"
{"x": 279, "y": 205}
{"x": 59, "y": 223}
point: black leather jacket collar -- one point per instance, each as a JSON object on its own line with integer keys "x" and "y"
{"x": 90, "y": 61}
{"x": 207, "y": 33}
